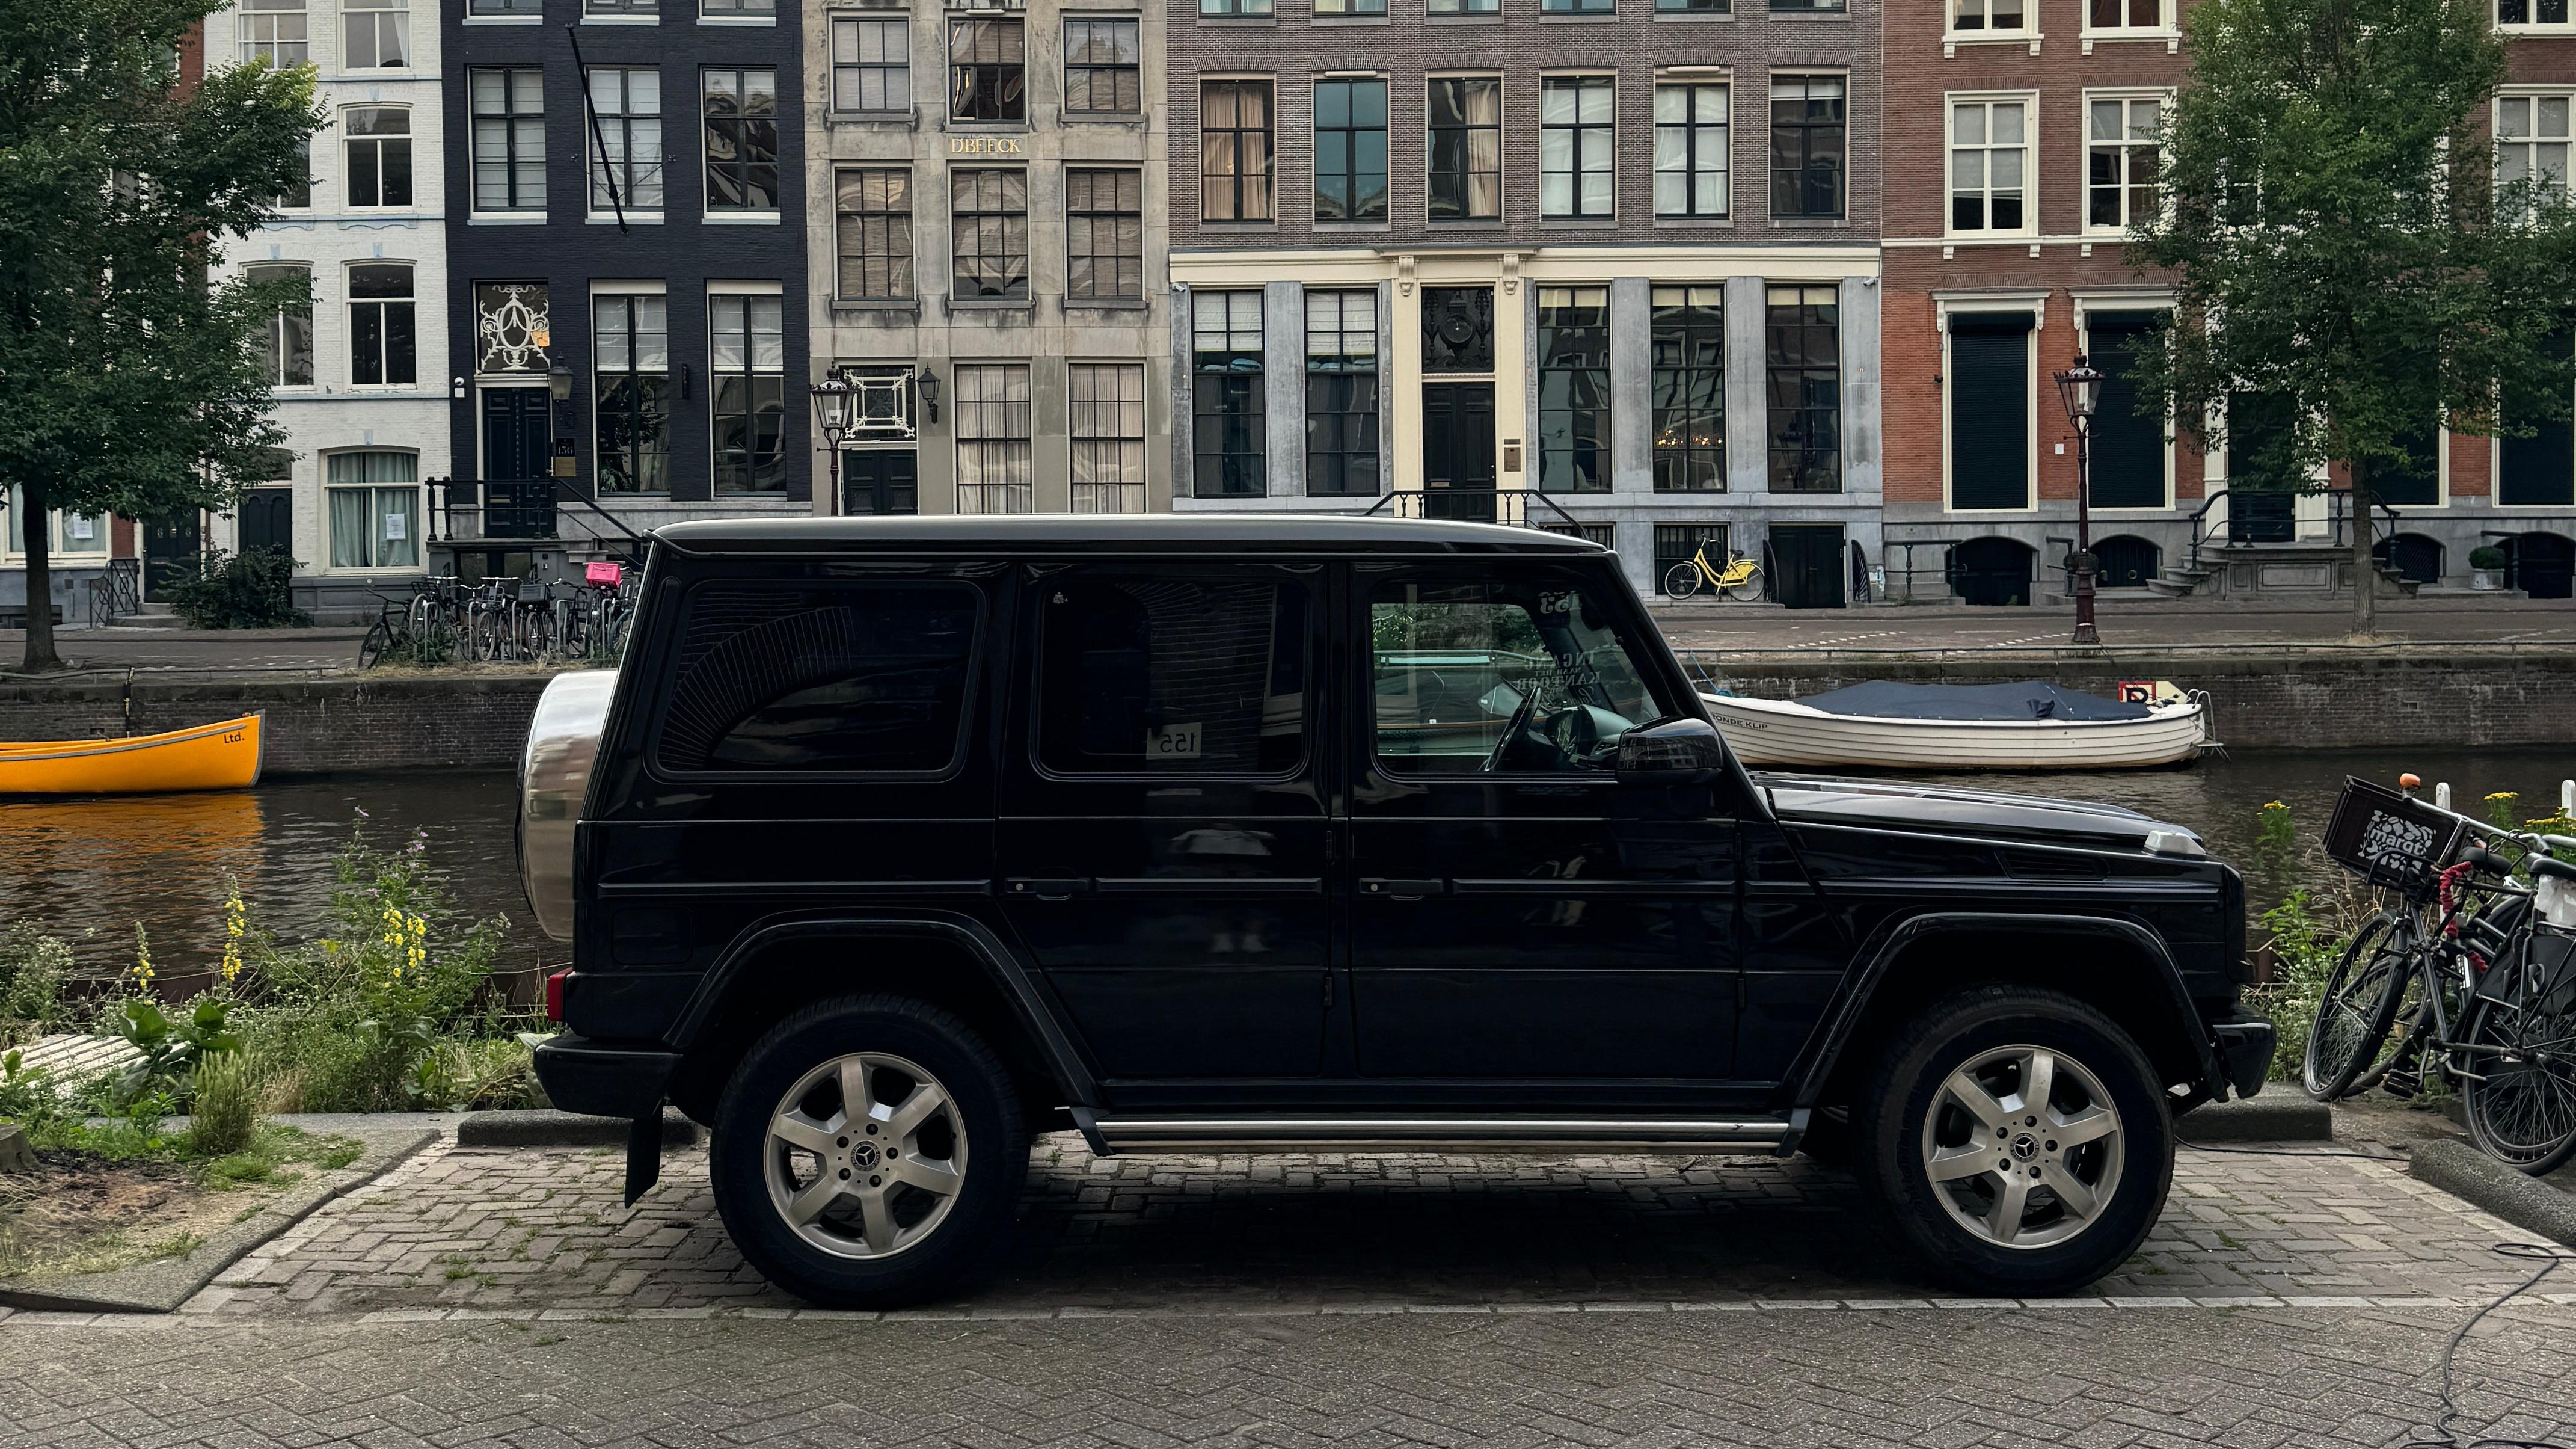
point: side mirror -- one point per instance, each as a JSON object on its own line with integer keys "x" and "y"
{"x": 1680, "y": 751}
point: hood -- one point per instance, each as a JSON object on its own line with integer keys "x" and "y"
{"x": 1810, "y": 799}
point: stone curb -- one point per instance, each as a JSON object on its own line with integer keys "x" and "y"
{"x": 548, "y": 1128}
{"x": 2467, "y": 1174}
{"x": 160, "y": 1287}
{"x": 2267, "y": 1118}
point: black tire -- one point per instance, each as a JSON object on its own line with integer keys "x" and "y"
{"x": 2060, "y": 1248}
{"x": 1682, "y": 580}
{"x": 2521, "y": 1104}
{"x": 994, "y": 1149}
{"x": 372, "y": 649}
{"x": 2358, "y": 1006}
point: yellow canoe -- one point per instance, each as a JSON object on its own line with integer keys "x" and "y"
{"x": 224, "y": 756}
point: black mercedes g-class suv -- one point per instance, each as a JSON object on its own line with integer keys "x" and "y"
{"x": 895, "y": 841}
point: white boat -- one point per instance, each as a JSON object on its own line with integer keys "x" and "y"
{"x": 2033, "y": 726}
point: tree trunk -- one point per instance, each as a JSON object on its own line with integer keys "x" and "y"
{"x": 40, "y": 581}
{"x": 2365, "y": 569}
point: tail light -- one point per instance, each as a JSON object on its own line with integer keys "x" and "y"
{"x": 555, "y": 994}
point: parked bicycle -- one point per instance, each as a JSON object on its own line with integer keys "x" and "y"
{"x": 502, "y": 621}
{"x": 2465, "y": 978}
{"x": 1739, "y": 579}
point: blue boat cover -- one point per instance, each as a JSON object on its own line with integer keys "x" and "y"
{"x": 2028, "y": 699}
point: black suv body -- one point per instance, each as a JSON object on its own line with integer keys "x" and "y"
{"x": 904, "y": 839}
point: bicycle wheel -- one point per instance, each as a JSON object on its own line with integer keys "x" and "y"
{"x": 1682, "y": 580}
{"x": 373, "y": 648}
{"x": 1748, "y": 591}
{"x": 2519, "y": 1090}
{"x": 2359, "y": 1005}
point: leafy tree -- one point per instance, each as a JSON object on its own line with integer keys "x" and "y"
{"x": 2347, "y": 265}
{"x": 128, "y": 384}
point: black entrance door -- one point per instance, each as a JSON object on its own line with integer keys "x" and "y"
{"x": 1806, "y": 565}
{"x": 267, "y": 519}
{"x": 2544, "y": 565}
{"x": 879, "y": 481}
{"x": 1458, "y": 450}
{"x": 516, "y": 432}
{"x": 1992, "y": 571}
{"x": 170, "y": 545}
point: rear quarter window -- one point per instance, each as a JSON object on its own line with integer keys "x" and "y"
{"x": 841, "y": 677}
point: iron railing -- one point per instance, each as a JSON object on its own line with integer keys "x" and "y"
{"x": 2272, "y": 516}
{"x": 116, "y": 593}
{"x": 1519, "y": 507}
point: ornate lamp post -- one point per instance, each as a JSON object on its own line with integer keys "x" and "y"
{"x": 2080, "y": 389}
{"x": 833, "y": 397}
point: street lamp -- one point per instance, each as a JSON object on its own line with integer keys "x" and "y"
{"x": 833, "y": 397}
{"x": 2080, "y": 389}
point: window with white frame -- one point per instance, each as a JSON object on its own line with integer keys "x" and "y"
{"x": 1576, "y": 123}
{"x": 2531, "y": 137}
{"x": 384, "y": 348}
{"x": 69, "y": 533}
{"x": 2531, "y": 12}
{"x": 872, "y": 65}
{"x": 627, "y": 105}
{"x": 375, "y": 34}
{"x": 631, "y": 352}
{"x": 649, "y": 9}
{"x": 373, "y": 499}
{"x": 300, "y": 196}
{"x": 1989, "y": 166}
{"x": 1108, "y": 436}
{"x": 509, "y": 139}
{"x": 1991, "y": 17}
{"x": 290, "y": 331}
{"x": 2121, "y": 160}
{"x": 995, "y": 459}
{"x": 377, "y": 156}
{"x": 273, "y": 32}
{"x": 738, "y": 9}
{"x": 747, "y": 401}
{"x": 2138, "y": 17}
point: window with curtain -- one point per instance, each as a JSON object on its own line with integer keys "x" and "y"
{"x": 1576, "y": 124}
{"x": 1234, "y": 7}
{"x": 1807, "y": 135}
{"x": 2531, "y": 139}
{"x": 1466, "y": 148}
{"x": 378, "y": 152}
{"x": 290, "y": 331}
{"x": 995, "y": 462}
{"x": 627, "y": 106}
{"x": 747, "y": 399}
{"x": 1689, "y": 359}
{"x": 1234, "y": 150}
{"x": 1803, "y": 387}
{"x": 631, "y": 350}
{"x": 375, "y": 34}
{"x": 1691, "y": 149}
{"x": 875, "y": 229}
{"x": 1989, "y": 165}
{"x": 1341, "y": 393}
{"x": 373, "y": 502}
{"x": 1108, "y": 430}
{"x": 1103, "y": 67}
{"x": 509, "y": 139}
{"x": 872, "y": 66}
{"x": 988, "y": 70}
{"x": 383, "y": 340}
{"x": 273, "y": 33}
{"x": 1225, "y": 392}
{"x": 1983, "y": 17}
{"x": 989, "y": 228}
{"x": 1463, "y": 7}
{"x": 1350, "y": 150}
{"x": 1104, "y": 218}
{"x": 69, "y": 533}
{"x": 1574, "y": 389}
{"x": 740, "y": 108}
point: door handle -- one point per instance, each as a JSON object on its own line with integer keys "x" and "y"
{"x": 1028, "y": 888}
{"x": 1401, "y": 890}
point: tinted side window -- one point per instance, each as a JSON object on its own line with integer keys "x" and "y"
{"x": 1177, "y": 675}
{"x": 795, "y": 676}
{"x": 1477, "y": 673}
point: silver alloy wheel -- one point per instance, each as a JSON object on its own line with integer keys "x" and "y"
{"x": 2023, "y": 1147}
{"x": 856, "y": 1174}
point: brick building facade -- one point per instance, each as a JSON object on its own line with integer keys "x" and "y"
{"x": 1614, "y": 251}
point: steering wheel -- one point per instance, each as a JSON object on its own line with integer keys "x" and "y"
{"x": 1574, "y": 732}
{"x": 1512, "y": 728}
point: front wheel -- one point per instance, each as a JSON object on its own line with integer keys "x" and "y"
{"x": 868, "y": 1151}
{"x": 2020, "y": 1138}
{"x": 1682, "y": 580}
{"x": 2358, "y": 1006}
{"x": 2519, "y": 1092}
{"x": 373, "y": 648}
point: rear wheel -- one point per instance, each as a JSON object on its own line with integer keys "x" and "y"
{"x": 2020, "y": 1138}
{"x": 2359, "y": 1005}
{"x": 867, "y": 1152}
{"x": 1682, "y": 580}
{"x": 2519, "y": 1094}
{"x": 1748, "y": 591}
{"x": 373, "y": 648}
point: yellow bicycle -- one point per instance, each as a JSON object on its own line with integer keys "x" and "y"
{"x": 1740, "y": 579}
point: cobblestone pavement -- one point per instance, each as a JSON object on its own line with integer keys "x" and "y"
{"x": 505, "y": 1297}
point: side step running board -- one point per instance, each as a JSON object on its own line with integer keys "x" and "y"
{"x": 1427, "y": 1134}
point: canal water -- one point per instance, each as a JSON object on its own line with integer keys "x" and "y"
{"x": 90, "y": 869}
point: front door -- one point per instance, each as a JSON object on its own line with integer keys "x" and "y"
{"x": 1523, "y": 924}
{"x": 1807, "y": 565}
{"x": 517, "y": 432}
{"x": 1164, "y": 834}
{"x": 1458, "y": 450}
{"x": 267, "y": 519}
{"x": 879, "y": 480}
{"x": 170, "y": 546}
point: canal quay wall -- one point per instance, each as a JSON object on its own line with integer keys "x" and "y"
{"x": 2462, "y": 695}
